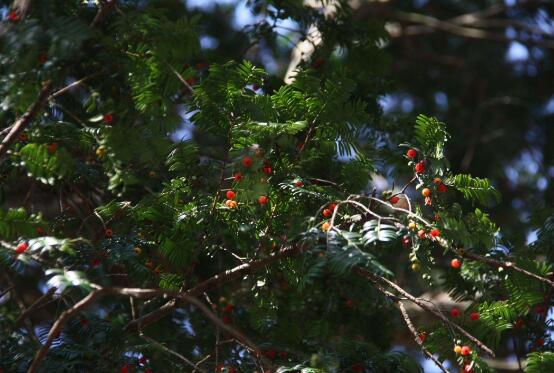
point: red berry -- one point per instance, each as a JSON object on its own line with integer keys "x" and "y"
{"x": 318, "y": 62}
{"x": 191, "y": 81}
{"x": 108, "y": 232}
{"x": 52, "y": 148}
{"x": 428, "y": 201}
{"x": 267, "y": 170}
{"x": 441, "y": 188}
{"x": 142, "y": 360}
{"x": 539, "y": 342}
{"x": 326, "y": 213}
{"x": 474, "y": 316}
{"x": 394, "y": 200}
{"x": 125, "y": 369}
{"x": 42, "y": 58}
{"x": 454, "y": 312}
{"x": 228, "y": 308}
{"x": 468, "y": 368}
{"x": 270, "y": 354}
{"x": 411, "y": 153}
{"x": 406, "y": 241}
{"x": 230, "y": 194}
{"x": 420, "y": 167}
{"x": 237, "y": 176}
{"x": 421, "y": 233}
{"x": 21, "y": 247}
{"x": 262, "y": 200}
{"x": 41, "y": 231}
{"x": 455, "y": 263}
{"x": 12, "y": 16}
{"x": 422, "y": 336}
{"x": 247, "y": 162}
{"x": 108, "y": 118}
{"x": 299, "y": 183}
{"x": 226, "y": 319}
{"x": 519, "y": 324}
{"x": 435, "y": 232}
{"x": 332, "y": 206}
{"x": 465, "y": 351}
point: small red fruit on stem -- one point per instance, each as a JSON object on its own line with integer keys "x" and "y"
{"x": 230, "y": 194}
{"x": 421, "y": 233}
{"x": 108, "y": 118}
{"x": 474, "y": 316}
{"x": 454, "y": 312}
{"x": 326, "y": 213}
{"x": 332, "y": 206}
{"x": 247, "y": 162}
{"x": 299, "y": 183}
{"x": 12, "y": 16}
{"x": 52, "y": 148}
{"x": 420, "y": 167}
{"x": 237, "y": 177}
{"x": 465, "y": 350}
{"x": 455, "y": 263}
{"x": 262, "y": 200}
{"x": 108, "y": 232}
{"x": 267, "y": 170}
{"x": 21, "y": 247}
{"x": 422, "y": 336}
{"x": 441, "y": 188}
{"x": 435, "y": 232}
{"x": 411, "y": 153}
{"x": 394, "y": 200}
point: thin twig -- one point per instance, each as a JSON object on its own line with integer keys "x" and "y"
{"x": 36, "y": 305}
{"x": 418, "y": 340}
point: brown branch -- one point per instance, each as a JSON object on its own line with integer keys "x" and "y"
{"x": 506, "y": 265}
{"x": 229, "y": 329}
{"x": 211, "y": 283}
{"x": 36, "y": 305}
{"x": 422, "y": 303}
{"x": 418, "y": 340}
{"x": 23, "y": 121}
{"x": 105, "y": 8}
{"x": 170, "y": 351}
{"x": 74, "y": 84}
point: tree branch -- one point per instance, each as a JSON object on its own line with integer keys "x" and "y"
{"x": 418, "y": 340}
{"x": 23, "y": 121}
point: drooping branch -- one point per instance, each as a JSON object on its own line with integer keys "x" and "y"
{"x": 418, "y": 340}
{"x": 23, "y": 121}
{"x": 423, "y": 304}
{"x": 211, "y": 283}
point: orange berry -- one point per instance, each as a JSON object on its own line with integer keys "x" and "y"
{"x": 231, "y": 204}
{"x": 426, "y": 192}
{"x": 457, "y": 349}
{"x": 325, "y": 226}
{"x": 437, "y": 180}
{"x": 412, "y": 225}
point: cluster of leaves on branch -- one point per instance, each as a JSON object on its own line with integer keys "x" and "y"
{"x": 251, "y": 243}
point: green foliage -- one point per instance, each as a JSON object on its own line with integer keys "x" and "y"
{"x": 474, "y": 188}
{"x": 539, "y": 362}
{"x": 431, "y": 135}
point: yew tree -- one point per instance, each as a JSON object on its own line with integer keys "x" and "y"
{"x": 166, "y": 209}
